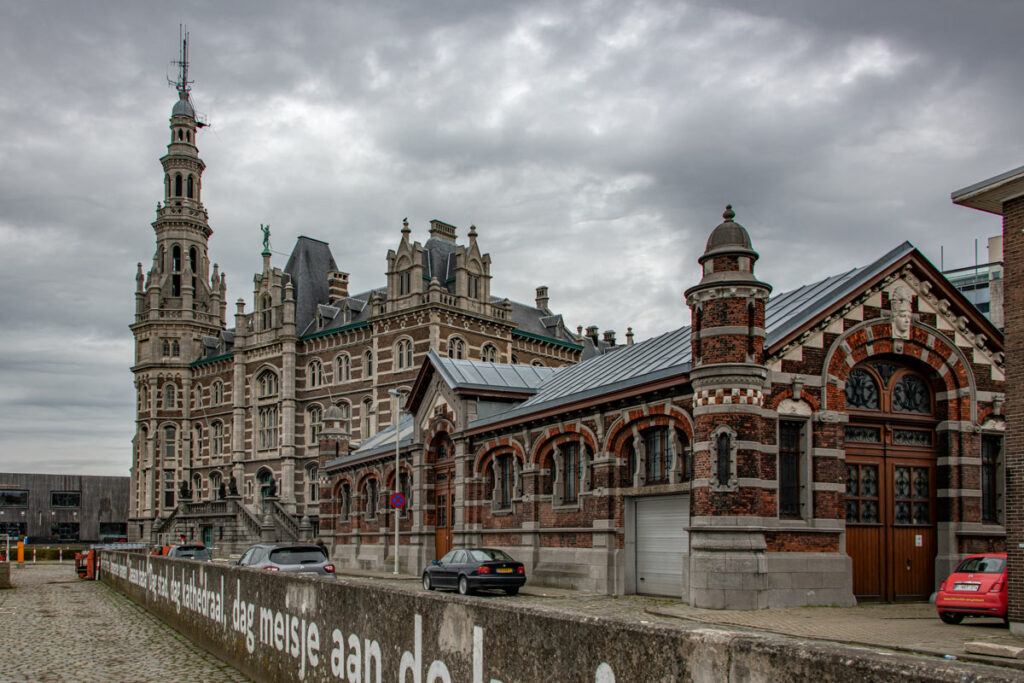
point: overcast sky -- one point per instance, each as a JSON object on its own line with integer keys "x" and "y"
{"x": 593, "y": 144}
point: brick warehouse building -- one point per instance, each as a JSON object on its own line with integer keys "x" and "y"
{"x": 1003, "y": 195}
{"x": 840, "y": 441}
{"x": 228, "y": 418}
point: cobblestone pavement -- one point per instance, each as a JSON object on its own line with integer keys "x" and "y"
{"x": 57, "y": 627}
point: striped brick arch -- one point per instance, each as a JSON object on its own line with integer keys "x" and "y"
{"x": 495, "y": 448}
{"x": 556, "y": 436}
{"x": 655, "y": 416}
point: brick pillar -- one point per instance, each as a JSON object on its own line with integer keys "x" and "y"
{"x": 1013, "y": 449}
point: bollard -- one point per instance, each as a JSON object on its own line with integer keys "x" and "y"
{"x": 33, "y": 555}
{"x": 60, "y": 555}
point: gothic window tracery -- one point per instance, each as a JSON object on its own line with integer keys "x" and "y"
{"x": 490, "y": 353}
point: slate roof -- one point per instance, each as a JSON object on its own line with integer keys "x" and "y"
{"x": 307, "y": 267}
{"x": 439, "y": 261}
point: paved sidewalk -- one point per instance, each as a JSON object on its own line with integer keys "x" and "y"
{"x": 908, "y": 627}
{"x": 57, "y": 627}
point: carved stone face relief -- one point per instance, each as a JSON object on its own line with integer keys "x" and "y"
{"x": 900, "y": 302}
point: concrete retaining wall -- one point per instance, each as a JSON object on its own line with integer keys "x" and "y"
{"x": 276, "y": 627}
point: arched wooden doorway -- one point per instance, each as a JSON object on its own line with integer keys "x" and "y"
{"x": 890, "y": 481}
{"x": 442, "y": 457}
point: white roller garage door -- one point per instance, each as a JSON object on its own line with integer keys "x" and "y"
{"x": 662, "y": 544}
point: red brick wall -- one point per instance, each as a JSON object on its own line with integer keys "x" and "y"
{"x": 1013, "y": 257}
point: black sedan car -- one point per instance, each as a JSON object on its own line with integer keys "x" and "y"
{"x": 468, "y": 569}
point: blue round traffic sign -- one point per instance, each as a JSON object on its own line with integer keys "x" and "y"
{"x": 397, "y": 500}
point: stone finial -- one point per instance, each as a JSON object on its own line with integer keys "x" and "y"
{"x": 472, "y": 232}
{"x": 728, "y": 214}
{"x": 405, "y": 226}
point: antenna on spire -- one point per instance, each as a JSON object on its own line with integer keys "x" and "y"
{"x": 182, "y": 84}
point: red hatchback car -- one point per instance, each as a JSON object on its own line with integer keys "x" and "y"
{"x": 976, "y": 589}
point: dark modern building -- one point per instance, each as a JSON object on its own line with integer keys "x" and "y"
{"x": 63, "y": 507}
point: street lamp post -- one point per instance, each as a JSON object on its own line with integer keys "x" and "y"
{"x": 397, "y": 394}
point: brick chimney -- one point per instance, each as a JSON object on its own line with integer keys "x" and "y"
{"x": 542, "y": 298}
{"x": 592, "y": 333}
{"x": 337, "y": 284}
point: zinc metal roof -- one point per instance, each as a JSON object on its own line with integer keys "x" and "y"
{"x": 787, "y": 312}
{"x": 653, "y": 359}
{"x": 469, "y": 374}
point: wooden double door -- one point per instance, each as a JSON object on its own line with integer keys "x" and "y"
{"x": 890, "y": 524}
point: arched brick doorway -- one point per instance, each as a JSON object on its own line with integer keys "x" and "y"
{"x": 891, "y": 449}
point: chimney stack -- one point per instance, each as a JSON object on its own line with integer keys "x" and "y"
{"x": 592, "y": 333}
{"x": 337, "y": 283}
{"x": 542, "y": 298}
{"x": 629, "y": 336}
{"x": 609, "y": 337}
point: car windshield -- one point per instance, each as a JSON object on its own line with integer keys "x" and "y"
{"x": 297, "y": 556}
{"x": 194, "y": 554}
{"x": 489, "y": 555}
{"x": 982, "y": 565}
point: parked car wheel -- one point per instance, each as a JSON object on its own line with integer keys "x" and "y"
{"x": 512, "y": 590}
{"x": 427, "y": 583}
{"x": 951, "y": 617}
{"x": 464, "y": 586}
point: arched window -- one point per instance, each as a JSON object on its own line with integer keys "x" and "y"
{"x": 267, "y": 484}
{"x": 215, "y": 482}
{"x": 197, "y": 486}
{"x": 179, "y": 133}
{"x": 861, "y": 390}
{"x": 217, "y": 392}
{"x": 368, "y": 364}
{"x": 504, "y": 471}
{"x": 342, "y": 368}
{"x": 193, "y": 264}
{"x": 658, "y": 448}
{"x": 314, "y": 423}
{"x": 312, "y": 484}
{"x": 345, "y": 501}
{"x": 370, "y": 490}
{"x": 911, "y": 395}
{"x": 441, "y": 448}
{"x": 267, "y": 384}
{"x": 570, "y": 471}
{"x": 267, "y": 312}
{"x": 315, "y": 374}
{"x": 169, "y": 396}
{"x": 175, "y": 349}
{"x": 537, "y": 364}
{"x": 403, "y": 353}
{"x": 346, "y": 411}
{"x": 167, "y": 186}
{"x": 167, "y": 348}
{"x": 189, "y": 187}
{"x": 197, "y": 398}
{"x": 169, "y": 445}
{"x": 267, "y": 427}
{"x": 177, "y": 185}
{"x": 489, "y": 353}
{"x": 456, "y": 348}
{"x": 217, "y": 438}
{"x": 143, "y": 397}
{"x": 176, "y": 270}
{"x": 367, "y": 418}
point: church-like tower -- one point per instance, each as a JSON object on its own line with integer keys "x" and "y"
{"x": 177, "y": 303}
